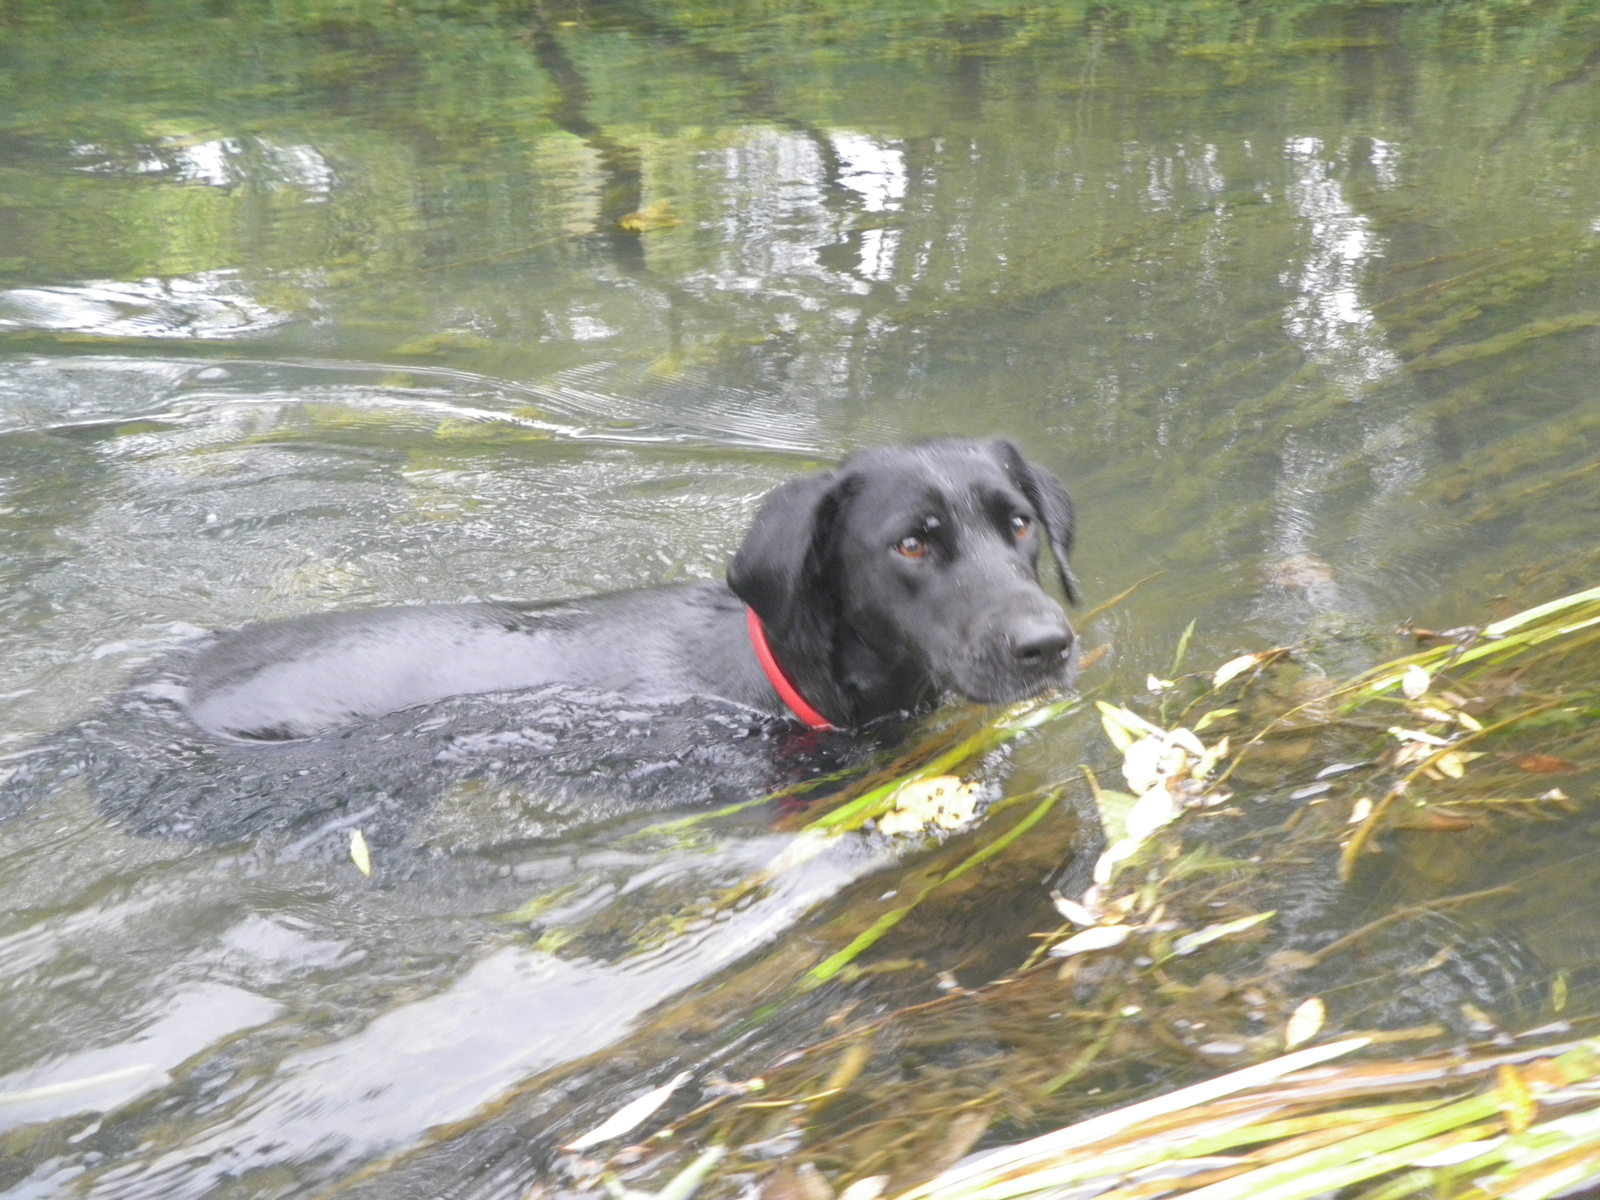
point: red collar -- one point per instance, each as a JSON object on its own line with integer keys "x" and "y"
{"x": 808, "y": 716}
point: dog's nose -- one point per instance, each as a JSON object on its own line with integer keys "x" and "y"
{"x": 1041, "y": 642}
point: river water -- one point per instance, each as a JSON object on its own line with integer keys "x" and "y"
{"x": 308, "y": 307}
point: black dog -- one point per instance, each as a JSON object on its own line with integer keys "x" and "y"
{"x": 907, "y": 572}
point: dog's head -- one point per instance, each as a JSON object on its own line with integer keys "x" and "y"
{"x": 913, "y": 570}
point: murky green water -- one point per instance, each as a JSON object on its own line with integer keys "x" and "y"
{"x": 306, "y": 306}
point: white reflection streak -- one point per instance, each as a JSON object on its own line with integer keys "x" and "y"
{"x": 875, "y": 171}
{"x": 221, "y": 163}
{"x": 771, "y": 233}
{"x": 1328, "y": 317}
{"x": 1331, "y": 322}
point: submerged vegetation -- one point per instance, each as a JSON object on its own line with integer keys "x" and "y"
{"x": 1242, "y": 794}
{"x": 412, "y": 302}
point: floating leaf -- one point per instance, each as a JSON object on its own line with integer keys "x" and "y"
{"x": 1142, "y": 764}
{"x": 1340, "y": 768}
{"x": 1210, "y": 718}
{"x": 1190, "y": 942}
{"x": 1233, "y": 668}
{"x": 1360, "y": 810}
{"x": 869, "y": 1188}
{"x": 651, "y": 217}
{"x": 629, "y": 1116}
{"x": 687, "y": 1181}
{"x": 1412, "y": 753}
{"x": 1073, "y": 911}
{"x": 1304, "y": 1023}
{"x": 1159, "y": 758}
{"x": 1098, "y": 937}
{"x": 1417, "y": 735}
{"x": 1414, "y": 681}
{"x": 359, "y": 854}
{"x": 1150, "y": 812}
{"x": 1183, "y": 647}
{"x": 943, "y": 800}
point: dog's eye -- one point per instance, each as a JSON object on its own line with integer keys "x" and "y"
{"x": 911, "y": 547}
{"x": 1020, "y": 525}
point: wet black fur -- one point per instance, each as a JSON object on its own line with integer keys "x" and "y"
{"x": 862, "y": 629}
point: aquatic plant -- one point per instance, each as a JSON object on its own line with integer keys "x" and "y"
{"x": 1168, "y": 965}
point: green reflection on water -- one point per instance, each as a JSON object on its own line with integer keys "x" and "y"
{"x": 1299, "y": 298}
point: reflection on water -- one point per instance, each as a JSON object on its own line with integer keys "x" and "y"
{"x": 1330, "y": 317}
{"x": 220, "y": 162}
{"x": 172, "y": 1029}
{"x": 212, "y": 305}
{"x": 322, "y": 310}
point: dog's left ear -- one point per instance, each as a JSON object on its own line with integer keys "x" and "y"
{"x": 1049, "y": 498}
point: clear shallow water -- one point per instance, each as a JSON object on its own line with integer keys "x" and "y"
{"x": 304, "y": 312}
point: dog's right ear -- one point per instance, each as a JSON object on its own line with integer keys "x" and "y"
{"x": 778, "y": 570}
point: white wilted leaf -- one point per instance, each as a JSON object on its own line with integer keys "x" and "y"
{"x": 1097, "y": 937}
{"x": 1185, "y": 740}
{"x": 1412, "y": 753}
{"x": 1105, "y": 867}
{"x": 1414, "y": 682}
{"x": 1072, "y": 910}
{"x": 1304, "y": 1023}
{"x": 1339, "y": 768}
{"x": 1190, "y": 942}
{"x": 629, "y": 1116}
{"x": 1235, "y": 667}
{"x": 1417, "y": 735}
{"x": 1150, "y": 812}
{"x": 1360, "y": 810}
{"x": 869, "y": 1188}
{"x": 359, "y": 854}
{"x": 1141, "y": 763}
{"x": 1117, "y": 852}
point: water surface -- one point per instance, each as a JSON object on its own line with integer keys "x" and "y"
{"x": 303, "y": 311}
